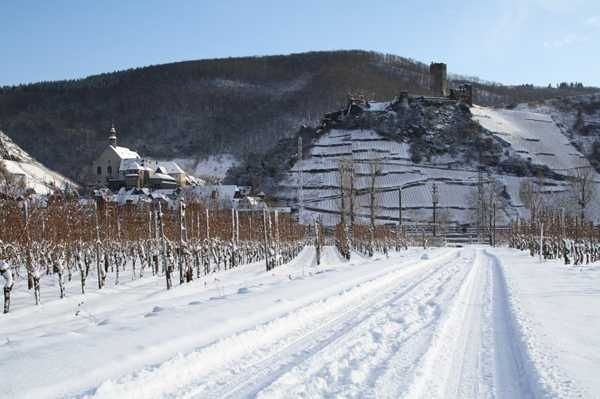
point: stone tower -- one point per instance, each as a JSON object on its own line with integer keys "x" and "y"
{"x": 438, "y": 83}
{"x": 112, "y": 137}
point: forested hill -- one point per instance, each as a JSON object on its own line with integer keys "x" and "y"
{"x": 195, "y": 108}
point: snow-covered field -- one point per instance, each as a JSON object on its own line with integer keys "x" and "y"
{"x": 473, "y": 322}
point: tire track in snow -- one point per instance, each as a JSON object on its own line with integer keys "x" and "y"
{"x": 353, "y": 363}
{"x": 244, "y": 356}
{"x": 475, "y": 353}
{"x": 547, "y": 380}
{"x": 269, "y": 369}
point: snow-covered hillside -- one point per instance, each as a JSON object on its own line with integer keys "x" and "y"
{"x": 214, "y": 167}
{"x": 525, "y": 138}
{"x": 462, "y": 323}
{"x": 27, "y": 170}
{"x": 533, "y": 135}
{"x": 578, "y": 118}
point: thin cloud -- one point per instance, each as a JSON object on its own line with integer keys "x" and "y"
{"x": 593, "y": 21}
{"x": 567, "y": 40}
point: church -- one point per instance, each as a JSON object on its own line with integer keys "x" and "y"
{"x": 117, "y": 167}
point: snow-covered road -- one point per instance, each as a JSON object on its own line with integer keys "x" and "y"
{"x": 441, "y": 323}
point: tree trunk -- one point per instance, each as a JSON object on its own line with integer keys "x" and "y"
{"x": 36, "y": 288}
{"x": 7, "y": 298}
{"x": 61, "y": 283}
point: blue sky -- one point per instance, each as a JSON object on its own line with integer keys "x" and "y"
{"x": 512, "y": 41}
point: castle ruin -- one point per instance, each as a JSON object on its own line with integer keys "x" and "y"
{"x": 438, "y": 83}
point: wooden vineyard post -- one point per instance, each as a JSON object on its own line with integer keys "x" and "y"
{"x": 318, "y": 240}
{"x": 182, "y": 240}
{"x": 541, "y": 241}
{"x": 266, "y": 240}
{"x": 98, "y": 265}
{"x": 163, "y": 245}
{"x": 276, "y": 245}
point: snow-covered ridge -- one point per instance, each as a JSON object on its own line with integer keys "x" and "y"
{"x": 533, "y": 137}
{"x": 32, "y": 173}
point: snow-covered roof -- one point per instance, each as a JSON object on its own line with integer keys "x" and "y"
{"x": 170, "y": 168}
{"x": 132, "y": 195}
{"x": 161, "y": 176}
{"x": 125, "y": 153}
{"x": 130, "y": 164}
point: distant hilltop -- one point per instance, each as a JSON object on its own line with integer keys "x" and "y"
{"x": 200, "y": 108}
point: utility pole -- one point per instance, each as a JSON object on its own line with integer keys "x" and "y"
{"x": 435, "y": 198}
{"x": 351, "y": 228}
{"x": 232, "y": 225}
{"x": 237, "y": 226}
{"x": 149, "y": 225}
{"x": 480, "y": 204}
{"x": 207, "y": 225}
{"x": 494, "y": 223}
{"x": 400, "y": 207}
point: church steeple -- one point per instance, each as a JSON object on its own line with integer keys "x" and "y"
{"x": 112, "y": 138}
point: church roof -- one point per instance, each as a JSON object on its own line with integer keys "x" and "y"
{"x": 125, "y": 153}
{"x": 130, "y": 164}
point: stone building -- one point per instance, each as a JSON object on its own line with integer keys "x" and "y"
{"x": 118, "y": 167}
{"x": 107, "y": 166}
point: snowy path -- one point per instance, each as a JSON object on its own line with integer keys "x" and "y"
{"x": 435, "y": 340}
{"x": 441, "y": 323}
{"x": 439, "y": 328}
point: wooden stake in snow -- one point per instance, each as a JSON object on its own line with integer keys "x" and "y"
{"x": 318, "y": 240}
{"x": 266, "y": 240}
{"x": 182, "y": 240}
{"x": 541, "y": 242}
{"x": 98, "y": 266}
{"x": 163, "y": 243}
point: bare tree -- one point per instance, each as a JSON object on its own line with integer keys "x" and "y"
{"x": 346, "y": 180}
{"x": 531, "y": 196}
{"x": 375, "y": 170}
{"x": 583, "y": 188}
{"x": 488, "y": 202}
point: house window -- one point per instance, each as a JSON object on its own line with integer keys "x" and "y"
{"x": 99, "y": 170}
{"x": 109, "y": 170}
